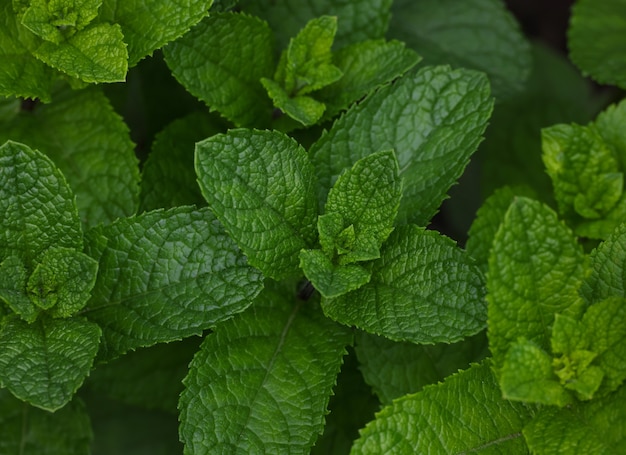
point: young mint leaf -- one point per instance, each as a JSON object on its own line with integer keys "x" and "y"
{"x": 28, "y": 430}
{"x": 169, "y": 178}
{"x": 477, "y": 34}
{"x": 329, "y": 279}
{"x": 594, "y": 40}
{"x": 54, "y": 20}
{"x": 37, "y": 206}
{"x": 244, "y": 175}
{"x": 261, "y": 382}
{"x": 222, "y": 60}
{"x": 367, "y": 197}
{"x": 423, "y": 289}
{"x": 464, "y": 414}
{"x": 535, "y": 269}
{"x": 166, "y": 21}
{"x": 433, "y": 119}
{"x": 45, "y": 362}
{"x": 365, "y": 65}
{"x": 95, "y": 54}
{"x": 357, "y": 20}
{"x": 595, "y": 427}
{"x": 163, "y": 276}
{"x": 62, "y": 281}
{"x": 90, "y": 143}
{"x": 304, "y": 109}
{"x": 395, "y": 369}
{"x": 527, "y": 375}
{"x": 13, "y": 277}
{"x": 608, "y": 125}
{"x": 22, "y": 74}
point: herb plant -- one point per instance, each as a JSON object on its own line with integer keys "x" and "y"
{"x": 226, "y": 229}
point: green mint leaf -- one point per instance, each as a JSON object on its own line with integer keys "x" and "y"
{"x": 169, "y": 179}
{"x": 423, "y": 289}
{"x": 37, "y": 206}
{"x": 394, "y": 369}
{"x": 95, "y": 54}
{"x": 329, "y": 279}
{"x": 357, "y": 20}
{"x": 54, "y": 20}
{"x": 365, "y": 66}
{"x": 261, "y": 382}
{"x": 585, "y": 172}
{"x": 594, "y": 40}
{"x": 45, "y": 362}
{"x": 479, "y": 34}
{"x": 62, "y": 281}
{"x": 535, "y": 269}
{"x": 22, "y": 74}
{"x": 367, "y": 197}
{"x": 433, "y": 119}
{"x": 608, "y": 262}
{"x": 25, "y": 430}
{"x": 165, "y": 20}
{"x": 304, "y": 109}
{"x": 163, "y": 276}
{"x": 91, "y": 145}
{"x": 527, "y": 375}
{"x": 221, "y": 61}
{"x": 13, "y": 277}
{"x": 594, "y": 427}
{"x": 476, "y": 419}
{"x": 243, "y": 175}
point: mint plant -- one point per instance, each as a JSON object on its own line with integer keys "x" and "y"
{"x": 233, "y": 227}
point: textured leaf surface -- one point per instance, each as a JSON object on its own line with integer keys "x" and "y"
{"x": 476, "y": 419}
{"x": 166, "y": 275}
{"x": 13, "y": 278}
{"x": 596, "y": 40}
{"x": 476, "y": 34}
{"x": 394, "y": 369}
{"x": 26, "y": 430}
{"x": 596, "y": 428}
{"x": 261, "y": 186}
{"x": 357, "y": 20}
{"x": 432, "y": 119}
{"x": 90, "y": 143}
{"x": 169, "y": 178}
{"x": 37, "y": 205}
{"x": 53, "y": 21}
{"x": 44, "y": 363}
{"x": 221, "y": 61}
{"x": 608, "y": 269}
{"x": 301, "y": 108}
{"x": 535, "y": 269}
{"x": 261, "y": 382}
{"x": 165, "y": 20}
{"x": 94, "y": 54}
{"x": 329, "y": 279}
{"x": 423, "y": 289}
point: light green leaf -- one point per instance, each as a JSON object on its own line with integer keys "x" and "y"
{"x": 56, "y": 19}
{"x": 91, "y": 145}
{"x": 62, "y": 281}
{"x": 94, "y": 54}
{"x": 423, "y": 289}
{"x": 221, "y": 61}
{"x": 394, "y": 369}
{"x": 166, "y": 21}
{"x": 37, "y": 206}
{"x": 365, "y": 65}
{"x": 595, "y": 40}
{"x": 527, "y": 375}
{"x": 244, "y": 175}
{"x": 165, "y": 275}
{"x": 432, "y": 119}
{"x": 608, "y": 124}
{"x": 367, "y": 196}
{"x": 608, "y": 263}
{"x": 13, "y": 277}
{"x": 476, "y": 419}
{"x": 477, "y": 34}
{"x": 329, "y": 279}
{"x": 535, "y": 269}
{"x": 169, "y": 178}
{"x": 304, "y": 109}
{"x": 261, "y": 382}
{"x": 27, "y": 430}
{"x": 357, "y": 20}
{"x": 592, "y": 428}
{"x": 44, "y": 363}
